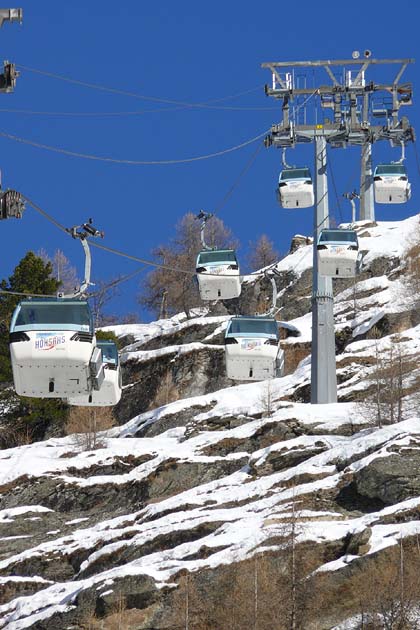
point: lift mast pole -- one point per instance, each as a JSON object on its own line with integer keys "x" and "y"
{"x": 347, "y": 95}
{"x": 367, "y": 206}
{"x": 323, "y": 381}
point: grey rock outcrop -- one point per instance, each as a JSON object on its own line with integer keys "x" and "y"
{"x": 391, "y": 479}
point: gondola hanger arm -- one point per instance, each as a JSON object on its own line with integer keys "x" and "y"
{"x": 82, "y": 233}
{"x": 204, "y": 217}
{"x": 402, "y": 158}
{"x": 283, "y": 159}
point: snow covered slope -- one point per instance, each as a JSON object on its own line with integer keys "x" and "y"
{"x": 211, "y": 479}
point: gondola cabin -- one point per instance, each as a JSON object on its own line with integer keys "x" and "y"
{"x": 391, "y": 184}
{"x": 218, "y": 274}
{"x": 110, "y": 392}
{"x": 338, "y": 253}
{"x": 296, "y": 189}
{"x": 252, "y": 348}
{"x": 53, "y": 349}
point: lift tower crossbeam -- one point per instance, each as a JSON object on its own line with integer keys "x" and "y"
{"x": 347, "y": 93}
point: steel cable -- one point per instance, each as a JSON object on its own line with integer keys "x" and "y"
{"x": 239, "y": 178}
{"x": 155, "y": 99}
{"x": 111, "y": 250}
{"x": 98, "y": 158}
{"x": 145, "y": 263}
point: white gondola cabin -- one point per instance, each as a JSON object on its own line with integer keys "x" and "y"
{"x": 338, "y": 253}
{"x": 53, "y": 349}
{"x": 296, "y": 189}
{"x": 218, "y": 274}
{"x": 252, "y": 348}
{"x": 110, "y": 392}
{"x": 391, "y": 184}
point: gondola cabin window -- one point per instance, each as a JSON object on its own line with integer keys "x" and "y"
{"x": 33, "y": 315}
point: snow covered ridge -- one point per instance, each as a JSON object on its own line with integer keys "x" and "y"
{"x": 257, "y": 479}
{"x": 204, "y": 482}
{"x": 378, "y": 294}
{"x": 387, "y": 238}
{"x": 143, "y": 333}
{"x": 234, "y": 529}
{"x": 368, "y": 300}
{"x": 147, "y": 355}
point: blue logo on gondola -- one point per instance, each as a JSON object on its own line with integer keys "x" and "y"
{"x": 47, "y": 341}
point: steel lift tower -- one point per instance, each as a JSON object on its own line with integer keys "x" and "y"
{"x": 355, "y": 105}
{"x": 11, "y": 202}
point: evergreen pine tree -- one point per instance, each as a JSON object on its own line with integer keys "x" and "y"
{"x": 32, "y": 275}
{"x": 28, "y": 418}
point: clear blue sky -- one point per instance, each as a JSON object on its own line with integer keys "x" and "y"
{"x": 189, "y": 51}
